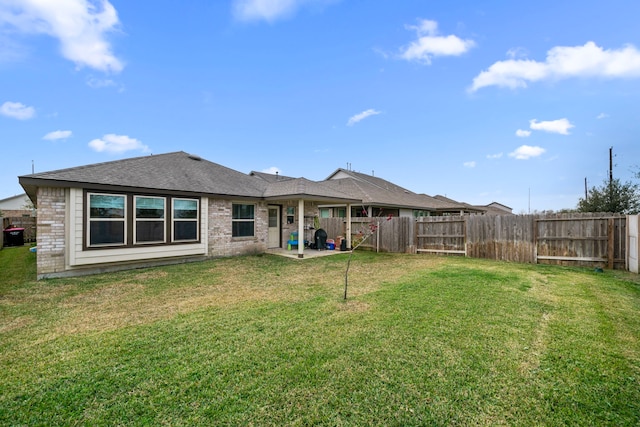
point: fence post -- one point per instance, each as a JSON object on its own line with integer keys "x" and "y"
{"x": 535, "y": 239}
{"x": 610, "y": 243}
{"x": 464, "y": 233}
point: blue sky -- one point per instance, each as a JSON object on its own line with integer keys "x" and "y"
{"x": 481, "y": 101}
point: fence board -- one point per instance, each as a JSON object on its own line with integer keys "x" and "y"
{"x": 564, "y": 239}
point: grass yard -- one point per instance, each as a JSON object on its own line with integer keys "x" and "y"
{"x": 264, "y": 340}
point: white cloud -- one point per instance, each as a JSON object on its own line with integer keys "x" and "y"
{"x": 523, "y": 133}
{"x": 517, "y": 52}
{"x": 272, "y": 170}
{"x": 57, "y": 134}
{"x": 494, "y": 156}
{"x": 525, "y": 152}
{"x": 430, "y": 44}
{"x": 361, "y": 116}
{"x": 471, "y": 164}
{"x": 269, "y": 10}
{"x": 17, "y": 110}
{"x": 97, "y": 83}
{"x": 112, "y": 143}
{"x": 602, "y": 116}
{"x": 560, "y": 126}
{"x": 562, "y": 62}
{"x": 79, "y": 25}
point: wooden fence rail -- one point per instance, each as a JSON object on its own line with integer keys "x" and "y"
{"x": 598, "y": 240}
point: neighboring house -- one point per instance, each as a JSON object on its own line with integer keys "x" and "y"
{"x": 16, "y": 206}
{"x": 18, "y": 211}
{"x": 381, "y": 197}
{"x": 495, "y": 208}
{"x": 162, "y": 209}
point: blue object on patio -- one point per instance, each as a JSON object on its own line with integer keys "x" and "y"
{"x": 293, "y": 240}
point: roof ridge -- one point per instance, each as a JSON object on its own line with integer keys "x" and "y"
{"x": 92, "y": 165}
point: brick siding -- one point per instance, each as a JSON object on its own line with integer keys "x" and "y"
{"x": 51, "y": 230}
{"x": 221, "y": 242}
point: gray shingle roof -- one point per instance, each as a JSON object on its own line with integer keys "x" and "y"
{"x": 269, "y": 177}
{"x": 177, "y": 171}
{"x": 302, "y": 187}
{"x": 186, "y": 173}
{"x": 380, "y": 192}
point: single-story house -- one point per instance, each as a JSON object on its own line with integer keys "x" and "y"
{"x": 166, "y": 208}
{"x": 178, "y": 207}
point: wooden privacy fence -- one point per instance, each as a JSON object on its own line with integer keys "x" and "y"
{"x": 598, "y": 240}
{"x": 394, "y": 235}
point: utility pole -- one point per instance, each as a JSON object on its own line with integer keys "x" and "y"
{"x": 586, "y": 192}
{"x": 611, "y": 206}
{"x": 610, "y": 166}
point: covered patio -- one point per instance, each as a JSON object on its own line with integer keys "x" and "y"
{"x": 307, "y": 195}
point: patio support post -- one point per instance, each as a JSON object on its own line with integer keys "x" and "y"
{"x": 348, "y": 236}
{"x": 301, "y": 228}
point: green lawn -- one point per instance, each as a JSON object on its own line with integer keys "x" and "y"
{"x": 264, "y": 340}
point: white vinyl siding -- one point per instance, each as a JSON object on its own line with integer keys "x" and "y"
{"x": 78, "y": 256}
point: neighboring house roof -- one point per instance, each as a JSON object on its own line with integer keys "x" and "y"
{"x": 269, "y": 177}
{"x": 495, "y": 208}
{"x": 380, "y": 192}
{"x": 370, "y": 179}
{"x": 466, "y": 206}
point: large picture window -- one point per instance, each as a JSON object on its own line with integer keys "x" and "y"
{"x": 107, "y": 216}
{"x": 149, "y": 221}
{"x": 243, "y": 220}
{"x": 115, "y": 220}
{"x": 185, "y": 219}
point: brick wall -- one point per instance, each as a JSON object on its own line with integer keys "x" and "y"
{"x": 51, "y": 230}
{"x": 310, "y": 211}
{"x": 221, "y": 243}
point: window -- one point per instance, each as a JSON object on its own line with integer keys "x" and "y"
{"x": 135, "y": 219}
{"x": 291, "y": 214}
{"x": 359, "y": 212}
{"x": 106, "y": 213}
{"x": 185, "y": 219}
{"x": 243, "y": 222}
{"x": 342, "y": 212}
{"x": 149, "y": 221}
{"x": 325, "y": 213}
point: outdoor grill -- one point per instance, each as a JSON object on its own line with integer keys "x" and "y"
{"x": 320, "y": 237}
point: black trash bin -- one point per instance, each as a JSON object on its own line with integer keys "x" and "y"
{"x": 14, "y": 236}
{"x": 320, "y": 239}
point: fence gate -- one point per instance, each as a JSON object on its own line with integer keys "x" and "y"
{"x": 442, "y": 235}
{"x": 632, "y": 242}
